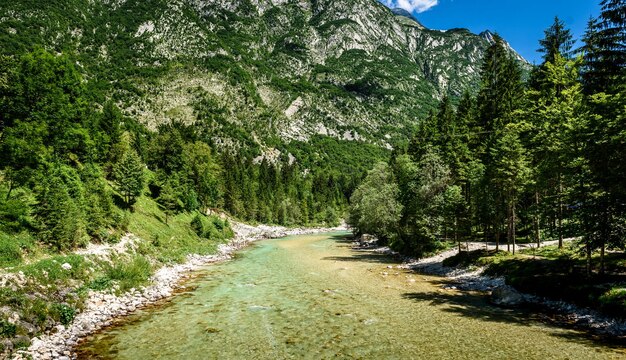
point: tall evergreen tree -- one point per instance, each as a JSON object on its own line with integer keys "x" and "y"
{"x": 498, "y": 98}
{"x": 605, "y": 48}
{"x": 557, "y": 40}
{"x": 129, "y": 177}
{"x": 510, "y": 175}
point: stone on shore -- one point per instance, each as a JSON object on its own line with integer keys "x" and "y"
{"x": 506, "y": 296}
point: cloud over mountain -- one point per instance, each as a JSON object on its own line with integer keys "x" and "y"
{"x": 411, "y": 5}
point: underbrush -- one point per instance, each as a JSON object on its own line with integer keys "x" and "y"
{"x": 13, "y": 248}
{"x": 127, "y": 273}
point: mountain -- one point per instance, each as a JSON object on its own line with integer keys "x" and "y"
{"x": 490, "y": 38}
{"x": 256, "y": 72}
{"x": 405, "y": 14}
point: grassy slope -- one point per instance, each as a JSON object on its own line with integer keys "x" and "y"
{"x": 44, "y": 294}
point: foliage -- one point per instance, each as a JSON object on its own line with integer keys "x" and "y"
{"x": 129, "y": 177}
{"x": 10, "y": 252}
{"x": 129, "y": 273}
{"x": 374, "y": 207}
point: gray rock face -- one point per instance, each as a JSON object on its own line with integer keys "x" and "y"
{"x": 506, "y": 296}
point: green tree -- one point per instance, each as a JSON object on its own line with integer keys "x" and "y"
{"x": 605, "y": 48}
{"x": 129, "y": 177}
{"x": 511, "y": 174}
{"x": 558, "y": 40}
{"x": 552, "y": 112}
{"x": 422, "y": 183}
{"x": 375, "y": 209}
{"x": 169, "y": 201}
{"x": 58, "y": 213}
{"x": 203, "y": 171}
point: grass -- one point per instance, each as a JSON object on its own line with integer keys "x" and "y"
{"x": 171, "y": 242}
{"x": 14, "y": 247}
{"x": 128, "y": 273}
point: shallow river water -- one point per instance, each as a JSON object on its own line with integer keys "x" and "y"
{"x": 313, "y": 297}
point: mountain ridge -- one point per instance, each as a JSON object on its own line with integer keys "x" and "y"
{"x": 257, "y": 72}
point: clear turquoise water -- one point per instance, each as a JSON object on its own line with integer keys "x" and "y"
{"x": 313, "y": 297}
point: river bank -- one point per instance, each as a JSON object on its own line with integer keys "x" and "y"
{"x": 103, "y": 307}
{"x": 474, "y": 279}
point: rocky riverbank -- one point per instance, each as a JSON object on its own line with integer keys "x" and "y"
{"x": 504, "y": 295}
{"x": 102, "y": 308}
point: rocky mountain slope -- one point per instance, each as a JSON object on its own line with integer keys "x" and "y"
{"x": 256, "y": 72}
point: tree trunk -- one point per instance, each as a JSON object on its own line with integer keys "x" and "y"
{"x": 602, "y": 269}
{"x": 508, "y": 228}
{"x": 605, "y": 235}
{"x": 536, "y": 221}
{"x": 10, "y": 189}
{"x": 588, "y": 251}
{"x": 456, "y": 232}
{"x": 513, "y": 218}
{"x": 560, "y": 218}
{"x": 497, "y": 230}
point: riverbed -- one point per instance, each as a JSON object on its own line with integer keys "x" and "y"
{"x": 315, "y": 297}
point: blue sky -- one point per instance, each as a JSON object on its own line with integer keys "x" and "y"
{"x": 521, "y": 23}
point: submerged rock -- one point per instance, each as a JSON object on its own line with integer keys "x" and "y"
{"x": 506, "y": 296}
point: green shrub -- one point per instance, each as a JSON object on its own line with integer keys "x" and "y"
{"x": 198, "y": 225}
{"x": 130, "y": 274}
{"x": 211, "y": 227}
{"x": 7, "y": 329}
{"x": 101, "y": 283}
{"x": 10, "y": 252}
{"x": 65, "y": 313}
{"x": 614, "y": 301}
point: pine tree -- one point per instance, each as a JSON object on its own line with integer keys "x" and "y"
{"x": 605, "y": 48}
{"x": 60, "y": 219}
{"x": 552, "y": 110}
{"x": 128, "y": 175}
{"x": 511, "y": 174}
{"x": 558, "y": 40}
{"x": 498, "y": 98}
{"x": 169, "y": 201}
{"x": 500, "y": 88}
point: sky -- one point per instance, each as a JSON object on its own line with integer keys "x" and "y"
{"x": 521, "y": 23}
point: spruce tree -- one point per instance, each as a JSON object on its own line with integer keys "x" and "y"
{"x": 169, "y": 201}
{"x": 128, "y": 175}
{"x": 510, "y": 175}
{"x": 498, "y": 98}
{"x": 558, "y": 40}
{"x": 61, "y": 224}
{"x": 605, "y": 48}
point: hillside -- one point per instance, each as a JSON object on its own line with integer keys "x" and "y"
{"x": 278, "y": 70}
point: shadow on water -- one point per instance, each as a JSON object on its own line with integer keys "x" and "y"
{"x": 347, "y": 238}
{"x": 364, "y": 257}
{"x": 475, "y": 305}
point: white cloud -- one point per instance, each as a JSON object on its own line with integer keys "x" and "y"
{"x": 411, "y": 5}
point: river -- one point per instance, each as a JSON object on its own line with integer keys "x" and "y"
{"x": 314, "y": 297}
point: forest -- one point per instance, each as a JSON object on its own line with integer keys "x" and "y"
{"x": 73, "y": 168}
{"x": 528, "y": 158}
